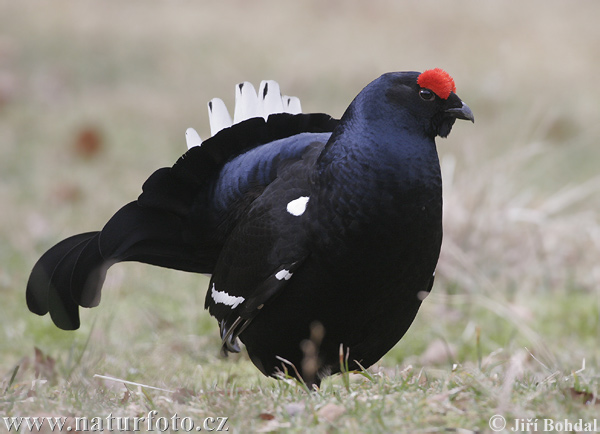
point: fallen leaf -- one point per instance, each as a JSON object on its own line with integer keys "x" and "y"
{"x": 126, "y": 397}
{"x": 266, "y": 416}
{"x": 88, "y": 142}
{"x": 44, "y": 365}
{"x": 183, "y": 395}
{"x": 585, "y": 397}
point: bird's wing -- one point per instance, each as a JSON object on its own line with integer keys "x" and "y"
{"x": 265, "y": 248}
{"x": 176, "y": 189}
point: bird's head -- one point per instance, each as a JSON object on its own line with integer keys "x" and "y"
{"x": 426, "y": 102}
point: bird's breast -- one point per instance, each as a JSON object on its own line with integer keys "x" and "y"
{"x": 383, "y": 230}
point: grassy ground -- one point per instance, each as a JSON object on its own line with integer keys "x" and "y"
{"x": 512, "y": 327}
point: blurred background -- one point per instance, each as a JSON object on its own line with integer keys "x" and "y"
{"x": 95, "y": 96}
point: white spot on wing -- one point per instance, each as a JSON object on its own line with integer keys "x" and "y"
{"x": 283, "y": 275}
{"x": 224, "y": 298}
{"x": 297, "y": 206}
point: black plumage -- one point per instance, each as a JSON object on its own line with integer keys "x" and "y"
{"x": 305, "y": 223}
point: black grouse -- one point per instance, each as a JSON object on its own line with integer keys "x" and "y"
{"x": 321, "y": 235}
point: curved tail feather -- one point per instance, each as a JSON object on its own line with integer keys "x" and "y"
{"x": 42, "y": 294}
{"x": 71, "y": 273}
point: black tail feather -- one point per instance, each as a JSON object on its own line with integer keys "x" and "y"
{"x": 157, "y": 237}
{"x": 88, "y": 273}
{"x": 71, "y": 273}
{"x": 64, "y": 310}
{"x": 41, "y": 294}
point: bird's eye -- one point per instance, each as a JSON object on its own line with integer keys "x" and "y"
{"x": 427, "y": 95}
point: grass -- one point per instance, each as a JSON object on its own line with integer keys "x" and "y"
{"x": 513, "y": 324}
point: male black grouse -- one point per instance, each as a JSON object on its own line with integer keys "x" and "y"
{"x": 307, "y": 224}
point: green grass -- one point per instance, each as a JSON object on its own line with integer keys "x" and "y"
{"x": 513, "y": 324}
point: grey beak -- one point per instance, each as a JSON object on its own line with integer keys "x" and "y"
{"x": 463, "y": 112}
